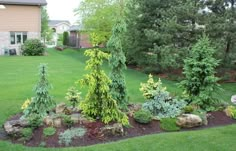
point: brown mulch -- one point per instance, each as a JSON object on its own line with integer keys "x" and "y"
{"x": 226, "y": 75}
{"x": 93, "y": 135}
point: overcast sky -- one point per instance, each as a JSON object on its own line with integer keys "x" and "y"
{"x": 62, "y": 10}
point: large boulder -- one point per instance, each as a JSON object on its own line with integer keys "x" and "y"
{"x": 113, "y": 130}
{"x": 60, "y": 108}
{"x": 189, "y": 121}
{"x": 53, "y": 120}
{"x": 14, "y": 127}
{"x": 75, "y": 117}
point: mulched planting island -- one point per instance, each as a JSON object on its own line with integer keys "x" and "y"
{"x": 94, "y": 136}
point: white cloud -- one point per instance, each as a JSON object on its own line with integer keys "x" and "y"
{"x": 62, "y": 9}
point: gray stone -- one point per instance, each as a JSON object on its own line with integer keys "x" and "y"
{"x": 3, "y": 134}
{"x": 15, "y": 126}
{"x": 48, "y": 120}
{"x": 53, "y": 120}
{"x": 113, "y": 130}
{"x": 84, "y": 120}
{"x": 134, "y": 108}
{"x": 75, "y": 117}
{"x": 57, "y": 122}
{"x": 189, "y": 121}
{"x": 60, "y": 108}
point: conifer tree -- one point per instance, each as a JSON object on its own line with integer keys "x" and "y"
{"x": 199, "y": 70}
{"x": 117, "y": 62}
{"x": 98, "y": 102}
{"x": 220, "y": 27}
{"x": 42, "y": 103}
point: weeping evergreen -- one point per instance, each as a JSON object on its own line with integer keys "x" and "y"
{"x": 117, "y": 63}
{"x": 98, "y": 102}
{"x": 42, "y": 103}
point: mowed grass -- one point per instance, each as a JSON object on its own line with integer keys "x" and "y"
{"x": 19, "y": 74}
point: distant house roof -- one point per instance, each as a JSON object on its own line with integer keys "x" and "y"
{"x": 76, "y": 28}
{"x": 24, "y": 2}
{"x": 53, "y": 23}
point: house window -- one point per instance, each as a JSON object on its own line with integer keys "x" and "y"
{"x": 18, "y": 37}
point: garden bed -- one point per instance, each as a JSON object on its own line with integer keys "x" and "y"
{"x": 93, "y": 136}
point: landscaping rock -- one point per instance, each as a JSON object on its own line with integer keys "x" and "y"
{"x": 75, "y": 117}
{"x": 57, "y": 122}
{"x": 48, "y": 120}
{"x": 134, "y": 108}
{"x": 189, "y": 121}
{"x": 67, "y": 111}
{"x": 84, "y": 120}
{"x": 233, "y": 99}
{"x": 113, "y": 130}
{"x": 60, "y": 108}
{"x": 3, "y": 134}
{"x": 53, "y": 121}
{"x": 14, "y": 127}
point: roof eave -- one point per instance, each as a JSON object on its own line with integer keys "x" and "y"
{"x": 28, "y": 4}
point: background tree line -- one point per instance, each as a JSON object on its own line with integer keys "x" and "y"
{"x": 160, "y": 33}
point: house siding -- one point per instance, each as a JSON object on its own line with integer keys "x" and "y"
{"x": 18, "y": 18}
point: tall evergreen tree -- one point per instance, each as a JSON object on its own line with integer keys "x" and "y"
{"x": 199, "y": 71}
{"x": 160, "y": 32}
{"x": 98, "y": 102}
{"x": 117, "y": 62}
{"x": 221, "y": 28}
{"x": 42, "y": 103}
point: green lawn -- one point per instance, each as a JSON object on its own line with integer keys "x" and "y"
{"x": 19, "y": 75}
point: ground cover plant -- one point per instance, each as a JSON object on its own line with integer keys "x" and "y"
{"x": 71, "y": 58}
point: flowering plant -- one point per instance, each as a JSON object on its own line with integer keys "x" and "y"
{"x": 26, "y": 104}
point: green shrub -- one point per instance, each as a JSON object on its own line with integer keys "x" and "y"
{"x": 67, "y": 136}
{"x": 231, "y": 111}
{"x": 159, "y": 101}
{"x": 42, "y": 103}
{"x": 65, "y": 38}
{"x": 199, "y": 70}
{"x": 26, "y": 133}
{"x": 49, "y": 131}
{"x": 33, "y": 47}
{"x": 42, "y": 144}
{"x": 169, "y": 124}
{"x": 35, "y": 121}
{"x": 73, "y": 96}
{"x": 188, "y": 109}
{"x": 67, "y": 121}
{"x": 143, "y": 116}
{"x": 148, "y": 89}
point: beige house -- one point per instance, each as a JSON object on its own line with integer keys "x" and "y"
{"x": 59, "y": 26}
{"x": 20, "y": 20}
